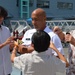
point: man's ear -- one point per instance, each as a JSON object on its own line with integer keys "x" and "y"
{"x": 32, "y": 45}
{"x": 44, "y": 18}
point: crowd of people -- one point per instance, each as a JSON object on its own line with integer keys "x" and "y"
{"x": 69, "y": 37}
{"x": 41, "y": 52}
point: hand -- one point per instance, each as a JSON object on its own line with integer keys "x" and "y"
{"x": 22, "y": 49}
{"x": 16, "y": 43}
{"x": 69, "y": 38}
{"x": 59, "y": 32}
{"x": 9, "y": 40}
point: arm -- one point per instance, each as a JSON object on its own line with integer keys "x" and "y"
{"x": 61, "y": 57}
{"x": 16, "y": 59}
{"x": 13, "y": 54}
{"x": 8, "y": 41}
{"x": 23, "y": 49}
{"x": 59, "y": 32}
{"x": 2, "y": 45}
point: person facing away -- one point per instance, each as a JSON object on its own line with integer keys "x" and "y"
{"x": 38, "y": 62}
{"x": 5, "y": 40}
{"x": 70, "y": 38}
{"x": 39, "y": 22}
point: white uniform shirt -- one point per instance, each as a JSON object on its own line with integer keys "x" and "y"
{"x": 54, "y": 38}
{"x": 39, "y": 64}
{"x": 5, "y": 62}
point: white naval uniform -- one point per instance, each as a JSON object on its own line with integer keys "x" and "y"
{"x": 54, "y": 38}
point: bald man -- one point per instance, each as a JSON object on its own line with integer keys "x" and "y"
{"x": 39, "y": 22}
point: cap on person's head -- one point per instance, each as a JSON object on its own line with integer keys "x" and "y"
{"x": 41, "y": 41}
{"x": 3, "y": 12}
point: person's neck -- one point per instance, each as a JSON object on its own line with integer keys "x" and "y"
{"x": 44, "y": 27}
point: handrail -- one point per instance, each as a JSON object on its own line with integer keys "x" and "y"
{"x": 68, "y": 22}
{"x": 19, "y": 25}
{"x": 16, "y": 23}
{"x": 63, "y": 24}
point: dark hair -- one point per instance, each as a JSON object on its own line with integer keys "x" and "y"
{"x": 41, "y": 41}
{"x": 3, "y": 12}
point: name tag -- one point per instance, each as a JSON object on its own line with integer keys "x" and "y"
{"x": 27, "y": 38}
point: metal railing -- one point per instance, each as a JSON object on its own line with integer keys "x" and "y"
{"x": 19, "y": 25}
{"x": 63, "y": 24}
